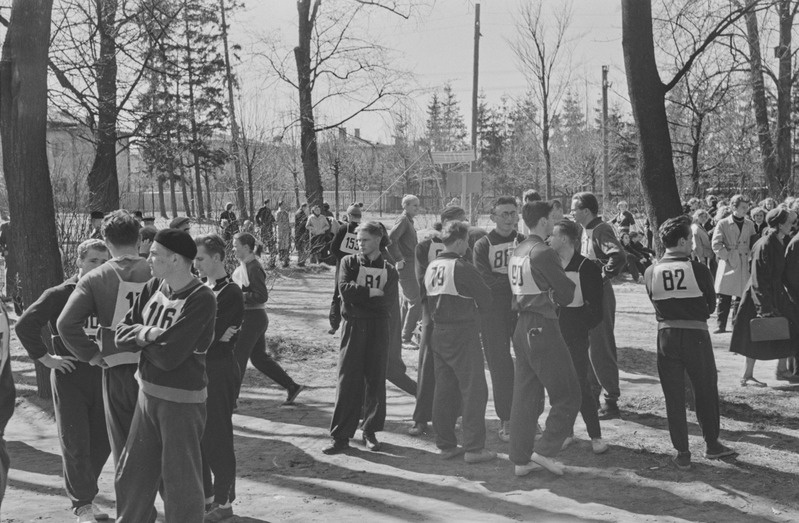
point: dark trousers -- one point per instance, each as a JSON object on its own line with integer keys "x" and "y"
{"x": 634, "y": 266}
{"x": 496, "y": 330}
{"x": 361, "y": 377}
{"x": 8, "y": 395}
{"x": 460, "y": 378}
{"x": 163, "y": 450}
{"x": 602, "y": 349}
{"x": 576, "y": 338}
{"x": 425, "y": 373}
{"x": 395, "y": 367}
{"x": 542, "y": 363}
{"x": 690, "y": 351}
{"x": 411, "y": 300}
{"x": 218, "y": 454}
{"x": 80, "y": 418}
{"x": 251, "y": 345}
{"x": 727, "y": 302}
{"x": 334, "y": 316}
{"x": 301, "y": 244}
{"x": 120, "y": 393}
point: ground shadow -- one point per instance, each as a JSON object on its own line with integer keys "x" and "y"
{"x": 30, "y": 459}
{"x": 637, "y": 361}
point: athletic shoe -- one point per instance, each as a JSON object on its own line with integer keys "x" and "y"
{"x": 566, "y": 442}
{"x": 550, "y": 464}
{"x": 85, "y": 514}
{"x": 599, "y": 446}
{"x": 504, "y": 431}
{"x": 418, "y": 429}
{"x": 99, "y": 514}
{"x": 479, "y": 457}
{"x": 339, "y": 445}
{"x": 523, "y": 470}
{"x": 682, "y": 460}
{"x": 609, "y": 411}
{"x": 293, "y": 393}
{"x": 370, "y": 440}
{"x": 218, "y": 513}
{"x": 450, "y": 452}
{"x": 718, "y": 451}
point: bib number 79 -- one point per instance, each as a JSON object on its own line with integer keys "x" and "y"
{"x": 437, "y": 280}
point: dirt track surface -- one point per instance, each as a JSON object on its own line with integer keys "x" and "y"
{"x": 283, "y": 475}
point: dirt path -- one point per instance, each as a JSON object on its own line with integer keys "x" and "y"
{"x": 283, "y": 476}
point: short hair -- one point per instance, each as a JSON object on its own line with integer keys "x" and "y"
{"x": 138, "y": 214}
{"x": 249, "y": 240}
{"x": 228, "y": 205}
{"x": 120, "y": 228}
{"x": 736, "y": 200}
{"x": 408, "y": 198}
{"x": 504, "y": 200}
{"x": 757, "y": 210}
{"x": 212, "y": 243}
{"x": 453, "y": 212}
{"x": 699, "y": 213}
{"x": 623, "y": 202}
{"x": 454, "y": 231}
{"x": 587, "y": 200}
{"x": 372, "y": 228}
{"x": 556, "y": 204}
{"x": 674, "y": 229}
{"x": 710, "y": 200}
{"x": 531, "y": 195}
{"x": 148, "y": 233}
{"x": 94, "y": 243}
{"x": 569, "y": 229}
{"x": 532, "y": 212}
{"x": 267, "y": 201}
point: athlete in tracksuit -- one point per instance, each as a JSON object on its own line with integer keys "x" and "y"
{"x": 171, "y": 324}
{"x": 491, "y": 256}
{"x": 682, "y": 293}
{"x": 540, "y": 285}
{"x": 578, "y": 317}
{"x": 77, "y": 386}
{"x": 344, "y": 243}
{"x": 367, "y": 284}
{"x": 219, "y": 458}
{"x": 108, "y": 293}
{"x": 455, "y": 292}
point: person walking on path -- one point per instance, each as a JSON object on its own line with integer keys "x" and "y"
{"x": 251, "y": 345}
{"x": 681, "y": 291}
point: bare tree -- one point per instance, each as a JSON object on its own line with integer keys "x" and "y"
{"x": 23, "y": 127}
{"x": 353, "y": 74}
{"x": 542, "y": 50}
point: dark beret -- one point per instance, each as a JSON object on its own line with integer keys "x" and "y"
{"x": 177, "y": 241}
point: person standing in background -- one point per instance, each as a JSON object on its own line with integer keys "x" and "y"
{"x": 283, "y": 230}
{"x": 266, "y": 225}
{"x": 301, "y": 234}
{"x": 403, "y": 244}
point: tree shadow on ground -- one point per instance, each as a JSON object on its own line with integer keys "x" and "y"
{"x": 637, "y": 361}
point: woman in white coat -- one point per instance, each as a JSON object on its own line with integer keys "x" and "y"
{"x": 732, "y": 243}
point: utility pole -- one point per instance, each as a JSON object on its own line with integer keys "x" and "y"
{"x": 474, "y": 106}
{"x": 605, "y": 166}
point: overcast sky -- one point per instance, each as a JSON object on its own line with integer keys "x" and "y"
{"x": 437, "y": 45}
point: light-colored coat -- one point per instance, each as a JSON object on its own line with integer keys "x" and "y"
{"x": 702, "y": 247}
{"x": 733, "y": 250}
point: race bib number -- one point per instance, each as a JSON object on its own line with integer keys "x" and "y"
{"x": 521, "y": 277}
{"x": 126, "y": 297}
{"x": 674, "y": 280}
{"x": 372, "y": 277}
{"x": 499, "y": 257}
{"x": 440, "y": 278}
{"x": 349, "y": 244}
{"x": 161, "y": 312}
{"x": 90, "y": 326}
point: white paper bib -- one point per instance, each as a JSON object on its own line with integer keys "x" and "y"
{"x": 349, "y": 244}
{"x": 674, "y": 279}
{"x": 372, "y": 277}
{"x": 440, "y": 277}
{"x": 521, "y": 278}
{"x": 499, "y": 256}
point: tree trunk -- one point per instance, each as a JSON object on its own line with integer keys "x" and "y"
{"x": 784, "y": 150}
{"x": 193, "y": 116}
{"x": 250, "y": 190}
{"x": 23, "y": 128}
{"x": 545, "y": 145}
{"x": 647, "y": 98}
{"x": 173, "y": 198}
{"x": 161, "y": 202}
{"x": 696, "y": 132}
{"x": 185, "y": 193}
{"x": 767, "y": 151}
{"x": 208, "y": 207}
{"x": 296, "y": 187}
{"x": 308, "y": 146}
{"x": 234, "y": 125}
{"x": 103, "y": 179}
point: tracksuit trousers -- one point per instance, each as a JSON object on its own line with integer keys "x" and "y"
{"x": 361, "y": 377}
{"x": 496, "y": 330}
{"x": 542, "y": 363}
{"x": 602, "y": 351}
{"x": 727, "y": 303}
{"x": 690, "y": 351}
{"x": 120, "y": 393}
{"x": 576, "y": 339}
{"x": 411, "y": 300}
{"x": 163, "y": 450}
{"x": 251, "y": 345}
{"x": 425, "y": 373}
{"x": 80, "y": 418}
{"x": 460, "y": 379}
{"x": 219, "y": 457}
{"x": 396, "y": 371}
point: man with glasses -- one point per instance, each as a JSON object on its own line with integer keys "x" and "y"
{"x": 732, "y": 243}
{"x": 491, "y": 255}
{"x": 600, "y": 245}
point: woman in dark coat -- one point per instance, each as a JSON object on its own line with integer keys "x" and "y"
{"x": 765, "y": 296}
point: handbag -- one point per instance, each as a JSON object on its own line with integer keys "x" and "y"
{"x": 769, "y": 329}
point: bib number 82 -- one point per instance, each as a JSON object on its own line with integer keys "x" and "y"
{"x": 670, "y": 279}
